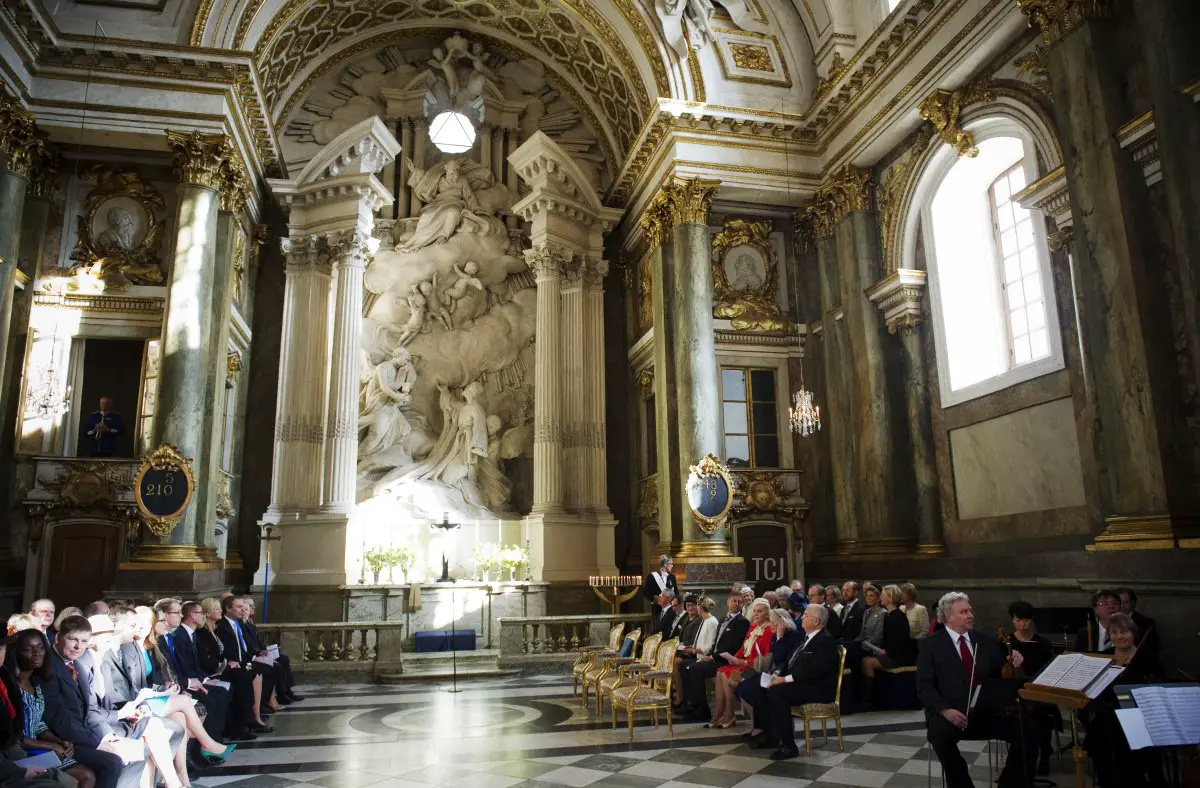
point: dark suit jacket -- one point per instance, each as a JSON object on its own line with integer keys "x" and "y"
{"x": 230, "y": 647}
{"x": 254, "y": 638}
{"x": 186, "y": 659}
{"x": 897, "y": 639}
{"x": 730, "y": 634}
{"x": 833, "y": 624}
{"x": 209, "y": 651}
{"x": 852, "y": 620}
{"x": 650, "y": 589}
{"x": 665, "y": 622}
{"x": 815, "y": 668}
{"x": 942, "y": 679}
{"x": 69, "y": 712}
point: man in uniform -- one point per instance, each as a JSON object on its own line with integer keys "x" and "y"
{"x": 103, "y": 428}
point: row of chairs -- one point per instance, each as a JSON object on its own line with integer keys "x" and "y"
{"x": 644, "y": 683}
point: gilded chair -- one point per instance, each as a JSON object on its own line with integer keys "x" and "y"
{"x": 585, "y": 654}
{"x": 650, "y": 690}
{"x": 825, "y": 711}
{"x": 599, "y": 666}
{"x": 623, "y": 669}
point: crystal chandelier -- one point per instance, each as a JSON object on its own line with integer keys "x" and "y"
{"x": 43, "y": 402}
{"x": 804, "y": 414}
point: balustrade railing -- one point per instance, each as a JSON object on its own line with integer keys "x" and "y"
{"x": 350, "y": 643}
{"x": 556, "y": 636}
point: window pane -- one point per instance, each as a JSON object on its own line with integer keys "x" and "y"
{"x": 1025, "y": 233}
{"x": 1021, "y": 350}
{"x": 1002, "y": 192}
{"x": 735, "y": 417}
{"x": 1012, "y": 268}
{"x": 762, "y": 385}
{"x": 1037, "y": 317}
{"x": 1016, "y": 179}
{"x": 1016, "y": 295}
{"x": 1033, "y": 288}
{"x": 733, "y": 384}
{"x": 737, "y": 451}
{"x": 765, "y": 418}
{"x": 1008, "y": 242}
{"x": 1039, "y": 342}
{"x": 1020, "y": 324}
{"x": 766, "y": 451}
{"x": 1005, "y": 218}
{"x": 1029, "y": 263}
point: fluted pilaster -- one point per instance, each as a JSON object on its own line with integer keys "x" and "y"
{"x": 595, "y": 423}
{"x": 548, "y": 261}
{"x": 572, "y": 352}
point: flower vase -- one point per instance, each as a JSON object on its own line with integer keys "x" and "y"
{"x": 512, "y": 575}
{"x": 376, "y": 578}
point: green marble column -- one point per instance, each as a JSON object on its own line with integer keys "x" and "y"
{"x": 195, "y": 331}
{"x": 667, "y": 437}
{"x": 1147, "y": 466}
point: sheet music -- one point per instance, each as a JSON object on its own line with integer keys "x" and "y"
{"x": 1106, "y": 678}
{"x": 1054, "y": 672}
{"x": 1171, "y": 714}
{"x": 1072, "y": 671}
{"x": 1135, "y": 728}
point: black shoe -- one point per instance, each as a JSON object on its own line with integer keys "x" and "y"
{"x": 294, "y": 697}
{"x": 700, "y": 715}
{"x": 785, "y": 753}
{"x": 261, "y": 729}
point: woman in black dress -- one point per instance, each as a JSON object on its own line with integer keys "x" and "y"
{"x": 1038, "y": 653}
{"x": 897, "y": 649}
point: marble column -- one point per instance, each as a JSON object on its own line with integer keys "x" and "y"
{"x": 595, "y": 426}
{"x": 571, "y": 353}
{"x": 689, "y": 311}
{"x": 1148, "y": 468}
{"x": 350, "y": 249}
{"x": 657, "y": 225}
{"x": 191, "y": 377}
{"x": 899, "y": 297}
{"x": 547, "y": 262}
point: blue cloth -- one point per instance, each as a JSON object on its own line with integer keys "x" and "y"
{"x": 241, "y": 638}
{"x": 146, "y": 661}
{"x": 103, "y": 443}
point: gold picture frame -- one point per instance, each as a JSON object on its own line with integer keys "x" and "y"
{"x": 120, "y": 232}
{"x": 165, "y": 460}
{"x": 746, "y": 277}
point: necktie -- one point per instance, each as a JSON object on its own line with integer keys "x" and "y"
{"x": 12, "y": 713}
{"x": 241, "y": 638}
{"x": 74, "y": 673}
{"x": 968, "y": 661}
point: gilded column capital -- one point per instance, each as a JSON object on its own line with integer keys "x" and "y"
{"x": 44, "y": 172}
{"x": 1060, "y": 239}
{"x": 690, "y": 199}
{"x": 548, "y": 259}
{"x": 1057, "y": 18}
{"x": 201, "y": 159}
{"x": 20, "y": 138}
{"x": 235, "y": 187}
{"x": 843, "y": 191}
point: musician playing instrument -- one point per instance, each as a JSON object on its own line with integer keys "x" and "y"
{"x": 1038, "y": 653}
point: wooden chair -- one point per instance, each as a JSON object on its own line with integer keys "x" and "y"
{"x": 825, "y": 711}
{"x": 585, "y": 654}
{"x": 650, "y": 691}
{"x": 598, "y": 668}
{"x": 623, "y": 669}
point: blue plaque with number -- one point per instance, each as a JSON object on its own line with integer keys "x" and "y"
{"x": 164, "y": 489}
{"x": 710, "y": 493}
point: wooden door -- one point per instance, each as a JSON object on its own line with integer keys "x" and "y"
{"x": 765, "y": 548}
{"x": 83, "y": 562}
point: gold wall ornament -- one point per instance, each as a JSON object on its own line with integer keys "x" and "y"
{"x": 1033, "y": 63}
{"x": 645, "y": 294}
{"x": 163, "y": 489}
{"x": 233, "y": 365}
{"x": 235, "y": 188}
{"x": 690, "y": 199}
{"x": 43, "y": 175}
{"x": 751, "y": 57}
{"x": 20, "y": 138}
{"x": 645, "y": 379}
{"x": 120, "y": 233}
{"x": 942, "y": 109}
{"x": 837, "y": 68}
{"x": 201, "y": 159}
{"x": 1057, "y": 18}
{"x": 710, "y": 491}
{"x": 845, "y": 190}
{"x": 746, "y": 277}
{"x": 647, "y": 507}
{"x": 658, "y": 220}
{"x": 761, "y": 492}
{"x": 239, "y": 264}
{"x": 890, "y": 198}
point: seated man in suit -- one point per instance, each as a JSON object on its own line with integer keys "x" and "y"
{"x": 188, "y": 673}
{"x": 1148, "y": 643}
{"x": 238, "y": 654}
{"x": 853, "y": 611}
{"x": 810, "y": 676}
{"x": 283, "y": 665}
{"x": 1093, "y": 636}
{"x": 730, "y": 634}
{"x": 952, "y": 664}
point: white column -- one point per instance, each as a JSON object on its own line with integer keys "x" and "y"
{"x": 547, "y": 261}
{"x": 596, "y": 427}
{"x": 350, "y": 250}
{"x": 571, "y": 365}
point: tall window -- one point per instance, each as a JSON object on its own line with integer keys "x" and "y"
{"x": 1025, "y": 301}
{"x": 751, "y": 417}
{"x": 150, "y": 366}
{"x": 989, "y": 268}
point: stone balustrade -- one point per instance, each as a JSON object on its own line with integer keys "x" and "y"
{"x": 534, "y": 639}
{"x": 339, "y": 646}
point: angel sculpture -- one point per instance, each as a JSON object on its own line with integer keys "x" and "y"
{"x": 436, "y": 304}
{"x": 699, "y": 14}
{"x": 458, "y": 290}
{"x": 448, "y": 191}
{"x": 418, "y": 309}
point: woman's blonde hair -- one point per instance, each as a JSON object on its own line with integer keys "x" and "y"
{"x": 780, "y": 616}
{"x": 706, "y": 604}
{"x": 66, "y": 611}
{"x": 892, "y": 591}
{"x": 909, "y": 590}
{"x": 210, "y": 605}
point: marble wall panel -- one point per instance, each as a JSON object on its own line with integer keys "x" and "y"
{"x": 1023, "y": 461}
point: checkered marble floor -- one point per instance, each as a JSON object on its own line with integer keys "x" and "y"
{"x": 530, "y": 733}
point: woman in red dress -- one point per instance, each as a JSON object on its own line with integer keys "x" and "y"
{"x": 757, "y": 643}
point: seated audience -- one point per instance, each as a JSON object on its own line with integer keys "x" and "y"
{"x": 43, "y": 613}
{"x": 785, "y": 641}
{"x": 197, "y": 655}
{"x": 951, "y": 663}
{"x": 97, "y": 608}
{"x": 852, "y": 613}
{"x": 817, "y": 595}
{"x": 66, "y": 611}
{"x": 19, "y": 622}
{"x": 833, "y": 599}
{"x": 1094, "y": 636}
{"x": 658, "y": 583}
{"x": 236, "y": 652}
{"x": 22, "y": 717}
{"x": 810, "y": 675}
{"x": 747, "y": 596}
{"x": 673, "y": 614}
{"x": 730, "y": 633}
{"x": 771, "y": 598}
{"x": 918, "y": 615}
{"x": 1148, "y": 642}
{"x": 687, "y": 634}
{"x": 896, "y": 649}
{"x": 283, "y": 665}
{"x": 756, "y": 644}
{"x": 1116, "y": 765}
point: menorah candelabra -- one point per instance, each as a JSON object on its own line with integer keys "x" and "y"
{"x": 601, "y": 583}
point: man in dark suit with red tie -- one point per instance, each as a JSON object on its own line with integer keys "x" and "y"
{"x": 952, "y": 665}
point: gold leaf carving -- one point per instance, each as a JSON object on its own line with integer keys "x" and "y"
{"x": 201, "y": 159}
{"x": 1034, "y": 64}
{"x": 748, "y": 301}
{"x": 1057, "y": 18}
{"x": 751, "y": 57}
{"x": 846, "y": 190}
{"x": 115, "y": 246}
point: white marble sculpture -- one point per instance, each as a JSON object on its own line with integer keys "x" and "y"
{"x": 448, "y": 191}
{"x": 699, "y": 16}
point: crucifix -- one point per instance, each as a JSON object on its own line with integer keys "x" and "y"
{"x": 445, "y": 526}
{"x": 266, "y": 539}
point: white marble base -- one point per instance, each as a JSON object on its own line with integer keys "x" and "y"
{"x": 463, "y": 605}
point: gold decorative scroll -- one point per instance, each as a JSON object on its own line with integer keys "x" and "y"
{"x": 1034, "y": 64}
{"x": 165, "y": 458}
{"x": 751, "y": 57}
{"x": 645, "y": 294}
{"x": 690, "y": 199}
{"x": 235, "y": 187}
{"x": 233, "y": 365}
{"x": 201, "y": 159}
{"x": 942, "y": 108}
{"x": 846, "y": 190}
{"x": 657, "y": 220}
{"x": 124, "y": 252}
{"x": 21, "y": 140}
{"x": 753, "y": 307}
{"x": 1057, "y": 18}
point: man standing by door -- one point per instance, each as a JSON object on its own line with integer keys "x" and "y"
{"x": 103, "y": 428}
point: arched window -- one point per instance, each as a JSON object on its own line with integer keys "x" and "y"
{"x": 989, "y": 270}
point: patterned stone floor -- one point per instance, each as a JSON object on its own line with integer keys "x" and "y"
{"x": 530, "y": 733}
